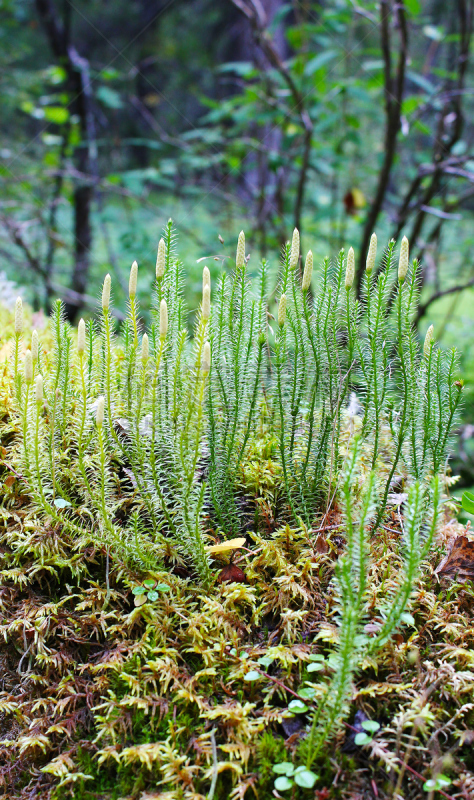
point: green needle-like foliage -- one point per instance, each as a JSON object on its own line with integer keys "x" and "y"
{"x": 160, "y": 422}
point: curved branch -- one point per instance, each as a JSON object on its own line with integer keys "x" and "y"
{"x": 423, "y": 307}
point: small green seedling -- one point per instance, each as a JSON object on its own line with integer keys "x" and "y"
{"x": 370, "y": 727}
{"x": 297, "y": 707}
{"x": 289, "y": 775}
{"x": 253, "y": 675}
{"x": 436, "y": 784}
{"x": 307, "y": 692}
{"x": 317, "y": 663}
{"x": 60, "y": 502}
{"x": 150, "y": 590}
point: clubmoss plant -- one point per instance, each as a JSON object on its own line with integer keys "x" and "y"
{"x": 351, "y": 576}
{"x": 166, "y": 419}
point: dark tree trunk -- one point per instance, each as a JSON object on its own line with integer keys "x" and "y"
{"x": 82, "y": 244}
{"x": 77, "y": 69}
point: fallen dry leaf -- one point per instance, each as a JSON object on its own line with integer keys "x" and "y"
{"x": 232, "y": 544}
{"x": 321, "y": 545}
{"x": 231, "y": 573}
{"x": 459, "y": 561}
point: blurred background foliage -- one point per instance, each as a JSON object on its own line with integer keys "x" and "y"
{"x": 338, "y": 117}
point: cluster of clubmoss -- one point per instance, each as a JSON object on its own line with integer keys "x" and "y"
{"x": 140, "y": 451}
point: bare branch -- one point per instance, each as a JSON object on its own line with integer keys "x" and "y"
{"x": 423, "y": 307}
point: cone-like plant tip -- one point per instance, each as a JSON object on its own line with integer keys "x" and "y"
{"x": 99, "y": 414}
{"x": 372, "y": 253}
{"x": 308, "y": 272}
{"x": 39, "y": 389}
{"x": 132, "y": 283}
{"x": 145, "y": 348}
{"x": 206, "y": 277}
{"x": 295, "y": 248}
{"x": 18, "y": 316}
{"x": 429, "y": 339}
{"x": 350, "y": 269}
{"x": 240, "y": 254}
{"x": 160, "y": 259}
{"x": 34, "y": 346}
{"x": 163, "y": 319}
{"x": 403, "y": 260}
{"x": 28, "y": 367}
{"x": 206, "y": 302}
{"x": 106, "y": 292}
{"x": 206, "y": 357}
{"x": 282, "y": 310}
{"x": 81, "y": 336}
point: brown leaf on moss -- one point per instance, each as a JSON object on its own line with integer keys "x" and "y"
{"x": 321, "y": 545}
{"x": 231, "y": 573}
{"x": 459, "y": 561}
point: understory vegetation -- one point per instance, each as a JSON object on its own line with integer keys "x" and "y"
{"x": 218, "y": 546}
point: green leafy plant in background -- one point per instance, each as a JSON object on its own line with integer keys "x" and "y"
{"x": 467, "y": 502}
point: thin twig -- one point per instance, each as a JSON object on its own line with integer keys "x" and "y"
{"x": 212, "y": 788}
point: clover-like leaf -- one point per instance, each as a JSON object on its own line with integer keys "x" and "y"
{"x": 60, "y": 502}
{"x": 297, "y": 707}
{"x": 265, "y": 661}
{"x": 435, "y": 784}
{"x": 162, "y": 587}
{"x": 284, "y": 768}
{"x": 362, "y": 738}
{"x": 316, "y": 657}
{"x": 315, "y": 666}
{"x": 152, "y": 596}
{"x": 307, "y": 692}
{"x": 442, "y": 781}
{"x": 283, "y": 784}
{"x": 370, "y": 725}
{"x": 137, "y": 590}
{"x": 149, "y": 583}
{"x": 305, "y": 777}
{"x": 253, "y": 675}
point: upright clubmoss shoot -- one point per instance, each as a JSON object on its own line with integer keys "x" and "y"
{"x": 308, "y": 272}
{"x": 160, "y": 260}
{"x": 371, "y": 254}
{"x": 240, "y": 254}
